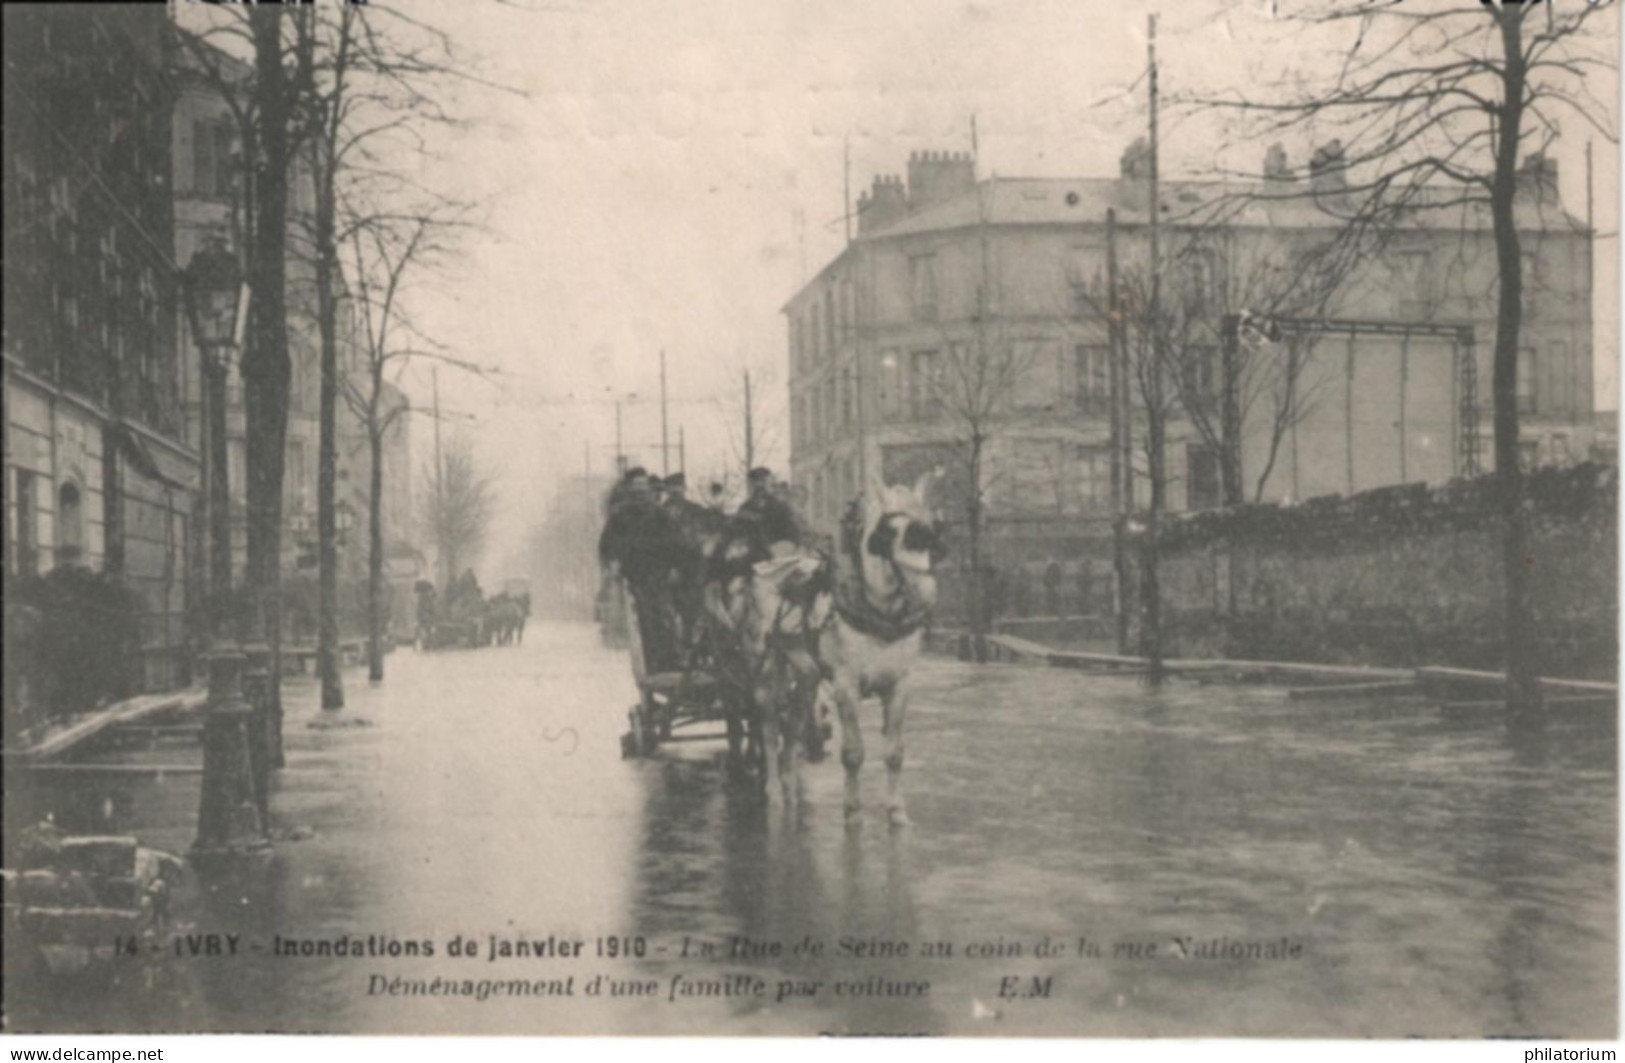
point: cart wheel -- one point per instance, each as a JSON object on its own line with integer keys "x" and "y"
{"x": 643, "y": 726}
{"x": 817, "y": 735}
{"x": 635, "y": 742}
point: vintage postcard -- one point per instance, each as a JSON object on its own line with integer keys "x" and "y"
{"x": 743, "y": 517}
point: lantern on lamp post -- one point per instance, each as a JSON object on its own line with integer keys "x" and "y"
{"x": 216, "y": 301}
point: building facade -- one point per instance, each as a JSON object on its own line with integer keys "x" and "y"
{"x": 100, "y": 470}
{"x": 966, "y": 309}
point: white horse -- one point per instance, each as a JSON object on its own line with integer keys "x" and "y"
{"x": 885, "y": 590}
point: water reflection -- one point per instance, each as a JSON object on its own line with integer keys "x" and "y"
{"x": 776, "y": 893}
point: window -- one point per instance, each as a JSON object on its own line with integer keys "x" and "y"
{"x": 27, "y": 522}
{"x": 70, "y": 525}
{"x": 1037, "y": 482}
{"x": 814, "y": 343}
{"x": 1201, "y": 477}
{"x": 848, "y": 395}
{"x": 1094, "y": 477}
{"x": 1528, "y": 454}
{"x": 1560, "y": 398}
{"x": 1196, "y": 374}
{"x": 922, "y": 383}
{"x": 1037, "y": 385}
{"x": 1528, "y": 381}
{"x": 795, "y": 345}
{"x": 830, "y": 338}
{"x": 1093, "y": 361}
{"x": 212, "y": 169}
{"x": 1413, "y": 285}
{"x": 891, "y": 383}
{"x": 922, "y": 279}
{"x": 1198, "y": 278}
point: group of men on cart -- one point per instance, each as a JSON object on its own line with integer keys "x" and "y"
{"x": 668, "y": 550}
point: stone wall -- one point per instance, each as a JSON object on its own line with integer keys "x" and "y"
{"x": 1399, "y": 576}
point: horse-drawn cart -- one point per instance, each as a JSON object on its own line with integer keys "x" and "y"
{"x": 674, "y": 705}
{"x": 716, "y": 683}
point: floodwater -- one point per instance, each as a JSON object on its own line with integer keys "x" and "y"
{"x": 1087, "y": 858}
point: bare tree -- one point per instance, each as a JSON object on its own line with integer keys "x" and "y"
{"x": 385, "y": 250}
{"x": 1433, "y": 109}
{"x": 748, "y": 417}
{"x": 462, "y": 499}
{"x": 369, "y": 100}
{"x": 1230, "y": 387}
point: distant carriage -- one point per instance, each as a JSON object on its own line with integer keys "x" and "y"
{"x": 448, "y": 622}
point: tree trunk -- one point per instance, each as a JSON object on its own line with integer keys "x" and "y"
{"x": 1150, "y": 584}
{"x": 975, "y": 513}
{"x": 327, "y": 645}
{"x": 1523, "y": 687}
{"x": 375, "y": 560}
{"x": 265, "y": 366}
{"x": 1235, "y": 493}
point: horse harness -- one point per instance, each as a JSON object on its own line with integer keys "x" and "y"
{"x": 852, "y": 599}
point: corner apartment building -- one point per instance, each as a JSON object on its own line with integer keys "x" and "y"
{"x": 873, "y": 335}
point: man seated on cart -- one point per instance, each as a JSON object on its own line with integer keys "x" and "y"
{"x": 641, "y": 543}
{"x": 789, "y": 566}
{"x": 700, "y": 530}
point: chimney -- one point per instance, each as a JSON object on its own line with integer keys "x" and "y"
{"x": 1328, "y": 173}
{"x": 1135, "y": 162}
{"x": 1134, "y": 173}
{"x": 934, "y": 176}
{"x": 1276, "y": 168}
{"x": 1537, "y": 178}
{"x": 883, "y": 204}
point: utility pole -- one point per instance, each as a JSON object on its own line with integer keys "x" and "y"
{"x": 665, "y": 453}
{"x": 1150, "y": 592}
{"x": 682, "y": 451}
{"x": 861, "y": 285}
{"x": 1591, "y": 229}
{"x": 620, "y": 455}
{"x": 750, "y": 430}
{"x": 1122, "y": 465}
{"x": 439, "y": 487}
{"x": 846, "y": 195}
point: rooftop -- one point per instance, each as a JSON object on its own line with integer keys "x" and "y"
{"x": 1285, "y": 205}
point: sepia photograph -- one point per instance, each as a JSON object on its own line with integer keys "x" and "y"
{"x": 745, "y": 518}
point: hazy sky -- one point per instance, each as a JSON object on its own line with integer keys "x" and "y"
{"x": 645, "y": 190}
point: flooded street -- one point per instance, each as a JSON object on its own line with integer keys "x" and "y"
{"x": 1203, "y": 860}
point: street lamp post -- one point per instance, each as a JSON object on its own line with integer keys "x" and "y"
{"x": 231, "y": 808}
